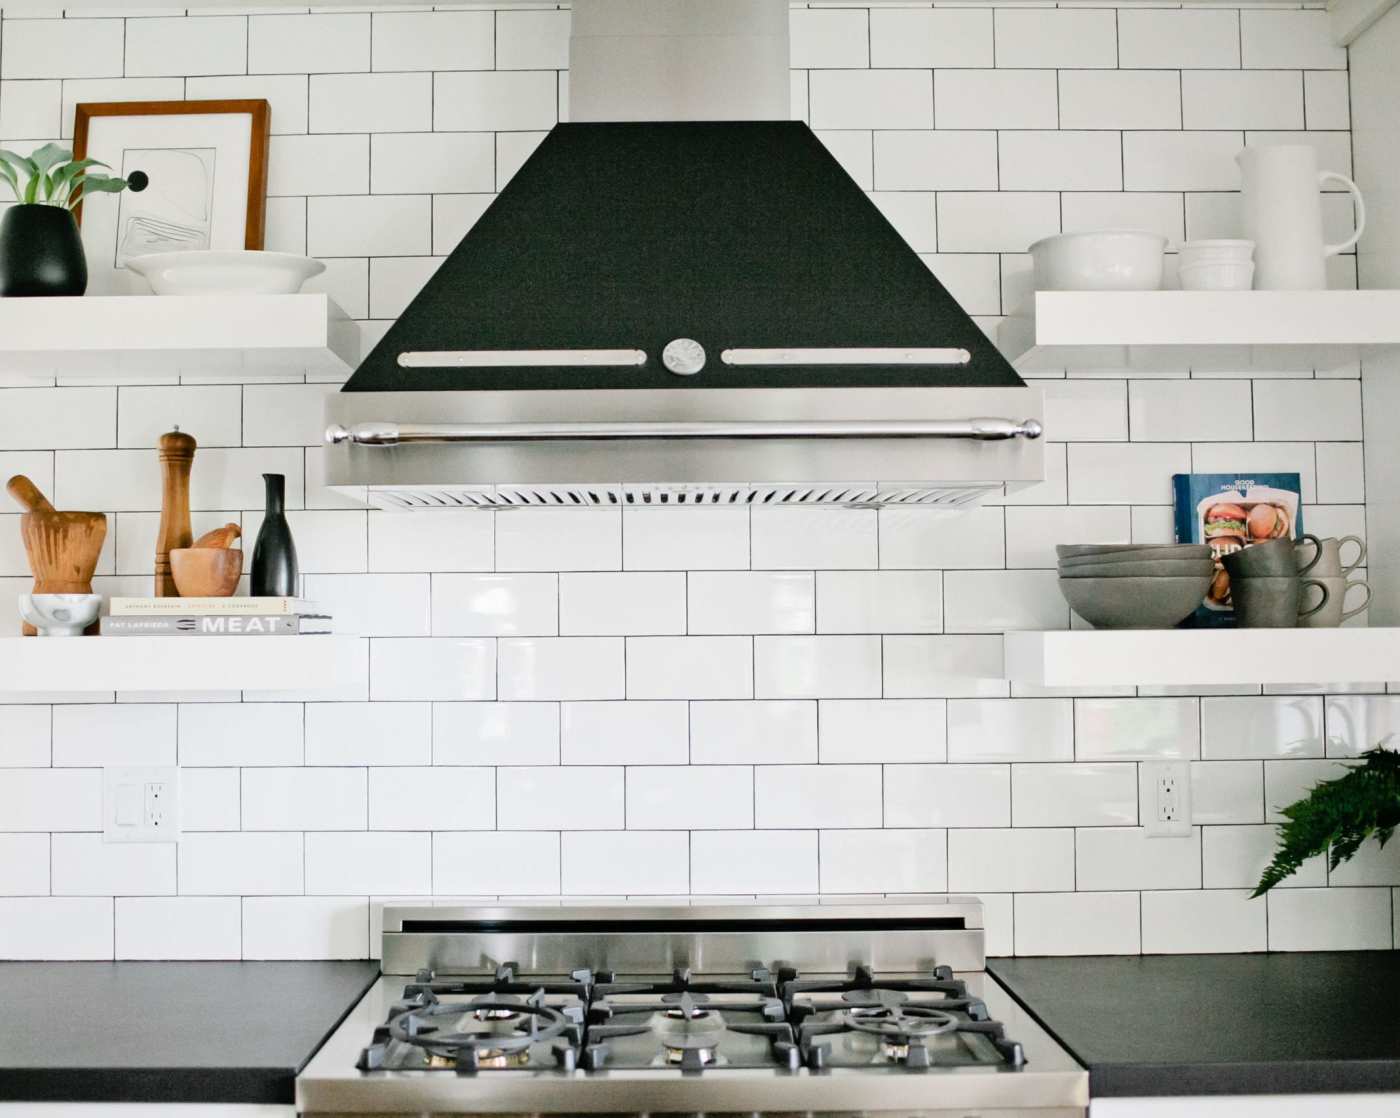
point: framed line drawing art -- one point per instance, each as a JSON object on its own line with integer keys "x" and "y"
{"x": 198, "y": 171}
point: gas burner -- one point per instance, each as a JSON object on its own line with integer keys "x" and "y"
{"x": 484, "y": 1033}
{"x": 901, "y": 1026}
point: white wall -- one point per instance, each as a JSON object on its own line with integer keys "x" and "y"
{"x": 723, "y": 702}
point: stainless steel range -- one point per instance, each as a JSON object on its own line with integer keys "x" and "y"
{"x": 862, "y": 1008}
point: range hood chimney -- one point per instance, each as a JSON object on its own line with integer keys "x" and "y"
{"x": 682, "y": 298}
{"x": 634, "y": 60}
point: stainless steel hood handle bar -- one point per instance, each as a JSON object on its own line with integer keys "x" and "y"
{"x": 397, "y": 434}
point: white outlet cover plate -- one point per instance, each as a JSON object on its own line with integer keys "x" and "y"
{"x": 124, "y": 797}
{"x": 1150, "y": 773}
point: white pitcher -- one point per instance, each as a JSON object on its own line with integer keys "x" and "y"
{"x": 1283, "y": 216}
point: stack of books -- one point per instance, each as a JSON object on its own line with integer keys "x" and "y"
{"x": 214, "y": 617}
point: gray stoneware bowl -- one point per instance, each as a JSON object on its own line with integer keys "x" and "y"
{"x": 1069, "y": 553}
{"x": 1134, "y": 603}
{"x": 1147, "y": 568}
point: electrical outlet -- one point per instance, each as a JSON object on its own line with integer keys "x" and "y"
{"x": 1165, "y": 796}
{"x": 141, "y": 804}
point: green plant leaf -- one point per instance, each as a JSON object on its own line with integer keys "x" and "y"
{"x": 105, "y": 183}
{"x": 8, "y": 174}
{"x": 68, "y": 176}
{"x": 1339, "y": 814}
{"x": 50, "y": 155}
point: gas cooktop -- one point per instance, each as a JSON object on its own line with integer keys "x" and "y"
{"x": 821, "y": 1008}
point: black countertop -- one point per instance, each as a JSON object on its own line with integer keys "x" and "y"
{"x": 168, "y": 1032}
{"x": 1220, "y": 1024}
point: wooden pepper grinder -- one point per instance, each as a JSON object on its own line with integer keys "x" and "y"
{"x": 176, "y": 459}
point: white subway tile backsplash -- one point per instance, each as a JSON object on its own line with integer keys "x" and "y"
{"x": 1065, "y": 160}
{"x": 1119, "y": 99}
{"x": 1242, "y": 99}
{"x": 324, "y": 43}
{"x": 813, "y": 667}
{"x": 1063, "y": 38}
{"x": 1023, "y": 860}
{"x": 610, "y": 604}
{"x": 931, "y": 37}
{"x": 699, "y": 798}
{"x": 56, "y": 927}
{"x": 994, "y": 99}
{"x": 440, "y": 798}
{"x": 25, "y": 736}
{"x": 825, "y": 795}
{"x": 631, "y": 733}
{"x": 433, "y": 40}
{"x": 24, "y": 865}
{"x": 1329, "y": 919}
{"x": 441, "y": 668}
{"x": 1308, "y": 409}
{"x": 310, "y": 799}
{"x": 186, "y": 45}
{"x": 1080, "y": 795}
{"x": 534, "y": 668}
{"x": 240, "y": 734}
{"x": 854, "y": 730}
{"x": 484, "y": 605}
{"x": 690, "y": 668}
{"x": 573, "y": 798}
{"x": 491, "y": 863}
{"x": 390, "y": 863}
{"x": 948, "y": 796}
{"x": 495, "y": 733}
{"x": 60, "y": 48}
{"x": 1136, "y": 729}
{"x": 559, "y": 540}
{"x": 1295, "y": 40}
{"x": 884, "y": 861}
{"x": 766, "y": 732}
{"x": 1262, "y": 727}
{"x": 234, "y": 863}
{"x": 1182, "y": 922}
{"x": 633, "y": 863}
{"x": 1286, "y": 782}
{"x": 1108, "y": 858}
{"x": 803, "y": 654}
{"x": 871, "y": 99}
{"x": 170, "y": 928}
{"x": 1078, "y": 924}
{"x": 749, "y": 862}
{"x": 530, "y": 40}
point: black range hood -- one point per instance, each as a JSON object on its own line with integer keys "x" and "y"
{"x": 738, "y": 236}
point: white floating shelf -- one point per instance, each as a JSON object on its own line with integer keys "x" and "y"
{"x": 117, "y": 336}
{"x": 1206, "y": 330}
{"x": 1187, "y": 657}
{"x": 102, "y": 664}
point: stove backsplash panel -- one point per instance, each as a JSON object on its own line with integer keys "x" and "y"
{"x": 718, "y": 701}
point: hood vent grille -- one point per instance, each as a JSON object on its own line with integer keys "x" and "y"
{"x": 423, "y": 498}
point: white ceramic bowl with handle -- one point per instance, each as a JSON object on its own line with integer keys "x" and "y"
{"x": 1112, "y": 260}
{"x": 204, "y": 272}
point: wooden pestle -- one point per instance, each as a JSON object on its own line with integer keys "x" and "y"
{"x": 176, "y": 459}
{"x": 63, "y": 547}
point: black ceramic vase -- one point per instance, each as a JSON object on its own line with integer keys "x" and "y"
{"x": 275, "y": 553}
{"x": 41, "y": 252}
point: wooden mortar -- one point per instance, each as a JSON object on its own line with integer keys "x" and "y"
{"x": 63, "y": 547}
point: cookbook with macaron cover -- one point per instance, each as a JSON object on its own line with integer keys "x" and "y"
{"x": 1230, "y": 512}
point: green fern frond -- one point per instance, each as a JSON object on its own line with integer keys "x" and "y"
{"x": 1341, "y": 815}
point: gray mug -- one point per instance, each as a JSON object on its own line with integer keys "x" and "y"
{"x": 1333, "y": 609}
{"x": 1273, "y": 602}
{"x": 1326, "y": 559}
{"x": 1271, "y": 559}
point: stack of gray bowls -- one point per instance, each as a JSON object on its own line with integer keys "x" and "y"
{"x": 1134, "y": 586}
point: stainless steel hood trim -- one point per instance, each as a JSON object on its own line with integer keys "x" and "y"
{"x": 522, "y": 358}
{"x": 846, "y": 355}
{"x": 388, "y": 433}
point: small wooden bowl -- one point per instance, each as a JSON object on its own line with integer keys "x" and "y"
{"x": 206, "y": 572}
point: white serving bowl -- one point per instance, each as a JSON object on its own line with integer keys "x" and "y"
{"x": 1204, "y": 252}
{"x": 1217, "y": 275}
{"x": 225, "y": 273}
{"x": 1114, "y": 260}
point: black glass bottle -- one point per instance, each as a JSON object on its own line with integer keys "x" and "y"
{"x": 275, "y": 553}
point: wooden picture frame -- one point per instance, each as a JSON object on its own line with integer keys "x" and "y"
{"x": 86, "y": 121}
